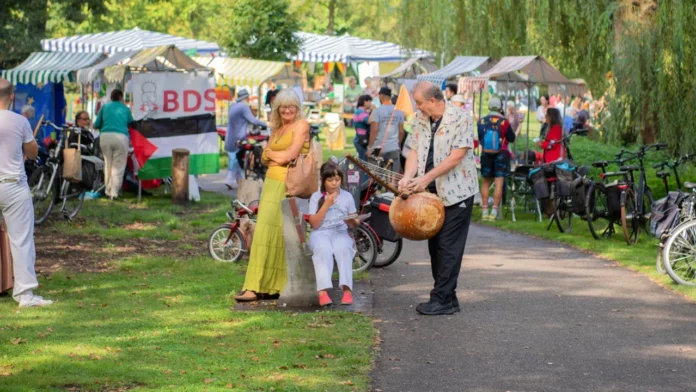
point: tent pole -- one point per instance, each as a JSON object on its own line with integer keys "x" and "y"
{"x": 529, "y": 114}
{"x": 473, "y": 104}
{"x": 480, "y": 102}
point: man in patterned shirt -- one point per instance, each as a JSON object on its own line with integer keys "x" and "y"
{"x": 441, "y": 161}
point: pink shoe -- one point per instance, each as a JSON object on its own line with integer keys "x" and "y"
{"x": 347, "y": 298}
{"x": 324, "y": 299}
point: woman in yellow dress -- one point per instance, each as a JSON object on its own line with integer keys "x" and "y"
{"x": 266, "y": 273}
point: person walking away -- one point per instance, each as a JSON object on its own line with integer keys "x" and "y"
{"x": 450, "y": 91}
{"x": 16, "y": 207}
{"x": 553, "y": 150}
{"x": 386, "y": 130}
{"x": 442, "y": 162}
{"x": 328, "y": 209}
{"x": 494, "y": 134}
{"x": 112, "y": 121}
{"x": 266, "y": 274}
{"x": 362, "y": 126}
{"x": 238, "y": 119}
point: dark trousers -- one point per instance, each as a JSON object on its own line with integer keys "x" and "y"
{"x": 447, "y": 249}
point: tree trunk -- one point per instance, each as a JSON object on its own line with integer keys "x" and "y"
{"x": 332, "y": 16}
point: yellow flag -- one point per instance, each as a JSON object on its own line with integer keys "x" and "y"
{"x": 341, "y": 67}
{"x": 404, "y": 103}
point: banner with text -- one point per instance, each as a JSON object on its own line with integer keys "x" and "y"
{"x": 172, "y": 95}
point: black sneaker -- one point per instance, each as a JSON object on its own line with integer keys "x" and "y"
{"x": 455, "y": 305}
{"x": 434, "y": 308}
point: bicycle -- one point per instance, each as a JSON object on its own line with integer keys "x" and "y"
{"x": 389, "y": 244}
{"x": 519, "y": 188}
{"x": 47, "y": 185}
{"x": 603, "y": 202}
{"x": 636, "y": 197}
{"x": 250, "y": 151}
{"x": 559, "y": 176}
{"x": 228, "y": 243}
{"x": 679, "y": 253}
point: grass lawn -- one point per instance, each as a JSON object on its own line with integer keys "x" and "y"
{"x": 640, "y": 257}
{"x": 140, "y": 306}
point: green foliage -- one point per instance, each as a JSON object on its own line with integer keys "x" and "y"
{"x": 23, "y": 24}
{"x": 262, "y": 29}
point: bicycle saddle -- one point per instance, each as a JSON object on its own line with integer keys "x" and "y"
{"x": 630, "y": 168}
{"x": 690, "y": 185}
{"x": 600, "y": 164}
{"x": 662, "y": 174}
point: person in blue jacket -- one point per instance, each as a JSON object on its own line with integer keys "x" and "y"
{"x": 238, "y": 118}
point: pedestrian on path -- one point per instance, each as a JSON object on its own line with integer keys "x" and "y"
{"x": 386, "y": 131}
{"x": 112, "y": 121}
{"x": 16, "y": 143}
{"x": 442, "y": 162}
{"x": 494, "y": 134}
{"x": 238, "y": 118}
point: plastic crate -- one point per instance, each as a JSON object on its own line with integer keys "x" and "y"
{"x": 379, "y": 219}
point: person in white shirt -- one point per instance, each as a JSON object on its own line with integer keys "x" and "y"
{"x": 16, "y": 142}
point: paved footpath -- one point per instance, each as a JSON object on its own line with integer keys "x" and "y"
{"x": 536, "y": 316}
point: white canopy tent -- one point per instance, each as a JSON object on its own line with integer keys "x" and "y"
{"x": 126, "y": 40}
{"x": 318, "y": 48}
{"x": 460, "y": 66}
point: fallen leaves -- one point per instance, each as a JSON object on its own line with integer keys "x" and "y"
{"x": 18, "y": 341}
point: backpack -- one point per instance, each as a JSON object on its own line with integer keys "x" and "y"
{"x": 493, "y": 138}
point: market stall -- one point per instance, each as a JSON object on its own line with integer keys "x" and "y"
{"x": 127, "y": 40}
{"x": 517, "y": 72}
{"x": 39, "y": 83}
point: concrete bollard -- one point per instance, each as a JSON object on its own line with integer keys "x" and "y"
{"x": 301, "y": 287}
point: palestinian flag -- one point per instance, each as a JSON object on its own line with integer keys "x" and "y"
{"x": 154, "y": 140}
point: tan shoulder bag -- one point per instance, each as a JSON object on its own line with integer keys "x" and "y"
{"x": 303, "y": 176}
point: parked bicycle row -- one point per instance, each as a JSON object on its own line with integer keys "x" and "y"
{"x": 618, "y": 200}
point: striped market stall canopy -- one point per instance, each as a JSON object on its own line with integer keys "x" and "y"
{"x": 461, "y": 65}
{"x": 50, "y": 67}
{"x": 247, "y": 72}
{"x": 521, "y": 70}
{"x": 318, "y": 48}
{"x": 125, "y": 40}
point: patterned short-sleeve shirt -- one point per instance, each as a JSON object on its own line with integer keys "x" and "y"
{"x": 456, "y": 131}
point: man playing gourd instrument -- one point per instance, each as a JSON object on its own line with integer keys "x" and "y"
{"x": 441, "y": 161}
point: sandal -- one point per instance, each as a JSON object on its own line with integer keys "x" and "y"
{"x": 246, "y": 296}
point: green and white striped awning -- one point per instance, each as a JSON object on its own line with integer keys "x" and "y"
{"x": 55, "y": 67}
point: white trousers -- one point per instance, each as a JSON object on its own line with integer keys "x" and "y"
{"x": 18, "y": 211}
{"x": 327, "y": 245}
{"x": 114, "y": 146}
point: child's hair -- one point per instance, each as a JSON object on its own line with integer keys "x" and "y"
{"x": 328, "y": 170}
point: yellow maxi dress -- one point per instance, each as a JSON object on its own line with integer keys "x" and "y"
{"x": 266, "y": 272}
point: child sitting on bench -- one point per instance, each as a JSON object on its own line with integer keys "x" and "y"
{"x": 329, "y": 211}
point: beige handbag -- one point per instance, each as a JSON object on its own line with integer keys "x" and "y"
{"x": 72, "y": 161}
{"x": 6, "y": 278}
{"x": 303, "y": 176}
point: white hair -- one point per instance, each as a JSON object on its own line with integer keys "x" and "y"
{"x": 28, "y": 110}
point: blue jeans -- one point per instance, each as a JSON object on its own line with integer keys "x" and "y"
{"x": 234, "y": 172}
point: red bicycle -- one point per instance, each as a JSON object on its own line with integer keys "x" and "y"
{"x": 228, "y": 243}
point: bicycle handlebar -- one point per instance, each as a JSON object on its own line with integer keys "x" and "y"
{"x": 64, "y": 127}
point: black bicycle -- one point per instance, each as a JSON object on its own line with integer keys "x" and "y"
{"x": 603, "y": 201}
{"x": 47, "y": 185}
{"x": 636, "y": 196}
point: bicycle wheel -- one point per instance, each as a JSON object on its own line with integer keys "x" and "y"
{"x": 648, "y": 200}
{"x": 388, "y": 252}
{"x": 42, "y": 193}
{"x": 226, "y": 251}
{"x": 366, "y": 246}
{"x": 629, "y": 219}
{"x": 562, "y": 214}
{"x": 72, "y": 196}
{"x": 679, "y": 255}
{"x": 597, "y": 212}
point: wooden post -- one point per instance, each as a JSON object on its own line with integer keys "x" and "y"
{"x": 6, "y": 277}
{"x": 180, "y": 176}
